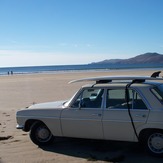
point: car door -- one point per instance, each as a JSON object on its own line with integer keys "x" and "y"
{"x": 116, "y": 120}
{"x": 83, "y": 118}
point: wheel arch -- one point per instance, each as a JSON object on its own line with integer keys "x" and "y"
{"x": 143, "y": 133}
{"x": 30, "y": 122}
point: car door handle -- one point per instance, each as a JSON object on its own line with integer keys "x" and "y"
{"x": 141, "y": 115}
{"x": 97, "y": 114}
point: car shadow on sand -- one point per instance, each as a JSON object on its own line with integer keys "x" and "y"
{"x": 98, "y": 150}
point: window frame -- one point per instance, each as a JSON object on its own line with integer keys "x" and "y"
{"x": 132, "y": 107}
{"x": 79, "y": 95}
{"x": 156, "y": 88}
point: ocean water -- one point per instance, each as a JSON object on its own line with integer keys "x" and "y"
{"x": 76, "y": 68}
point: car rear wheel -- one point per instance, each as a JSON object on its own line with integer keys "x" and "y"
{"x": 154, "y": 143}
{"x": 40, "y": 134}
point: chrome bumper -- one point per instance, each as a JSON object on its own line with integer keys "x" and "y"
{"x": 20, "y": 127}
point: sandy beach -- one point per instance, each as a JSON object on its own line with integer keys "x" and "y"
{"x": 20, "y": 91}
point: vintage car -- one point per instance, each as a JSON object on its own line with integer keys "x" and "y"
{"x": 119, "y": 108}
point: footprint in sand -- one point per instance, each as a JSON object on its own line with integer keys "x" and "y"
{"x": 24, "y": 134}
{"x": 6, "y": 137}
{"x": 14, "y": 141}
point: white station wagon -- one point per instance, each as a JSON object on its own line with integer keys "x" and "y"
{"x": 113, "y": 108}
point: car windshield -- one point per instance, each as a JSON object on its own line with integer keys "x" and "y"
{"x": 66, "y": 104}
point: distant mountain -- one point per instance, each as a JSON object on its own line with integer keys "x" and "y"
{"x": 146, "y": 58}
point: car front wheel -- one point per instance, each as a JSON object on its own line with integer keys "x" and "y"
{"x": 40, "y": 134}
{"x": 154, "y": 143}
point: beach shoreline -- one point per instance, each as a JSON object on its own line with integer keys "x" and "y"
{"x": 76, "y": 69}
{"x": 20, "y": 91}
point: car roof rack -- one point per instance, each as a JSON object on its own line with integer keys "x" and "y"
{"x": 109, "y": 81}
{"x": 103, "y": 81}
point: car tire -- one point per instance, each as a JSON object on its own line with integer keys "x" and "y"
{"x": 154, "y": 143}
{"x": 40, "y": 134}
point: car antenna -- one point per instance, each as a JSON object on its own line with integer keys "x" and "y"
{"x": 156, "y": 74}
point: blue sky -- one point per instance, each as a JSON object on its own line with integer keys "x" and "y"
{"x": 59, "y": 32}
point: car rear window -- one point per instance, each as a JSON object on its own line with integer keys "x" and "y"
{"x": 158, "y": 92}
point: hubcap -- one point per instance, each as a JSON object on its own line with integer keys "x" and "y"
{"x": 43, "y": 134}
{"x": 155, "y": 143}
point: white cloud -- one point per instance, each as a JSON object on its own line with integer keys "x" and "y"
{"x": 25, "y": 58}
{"x": 9, "y": 58}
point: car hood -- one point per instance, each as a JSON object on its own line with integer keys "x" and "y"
{"x": 49, "y": 109}
{"x": 48, "y": 105}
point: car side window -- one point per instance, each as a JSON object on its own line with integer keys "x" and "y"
{"x": 116, "y": 98}
{"x": 89, "y": 98}
{"x": 137, "y": 102}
